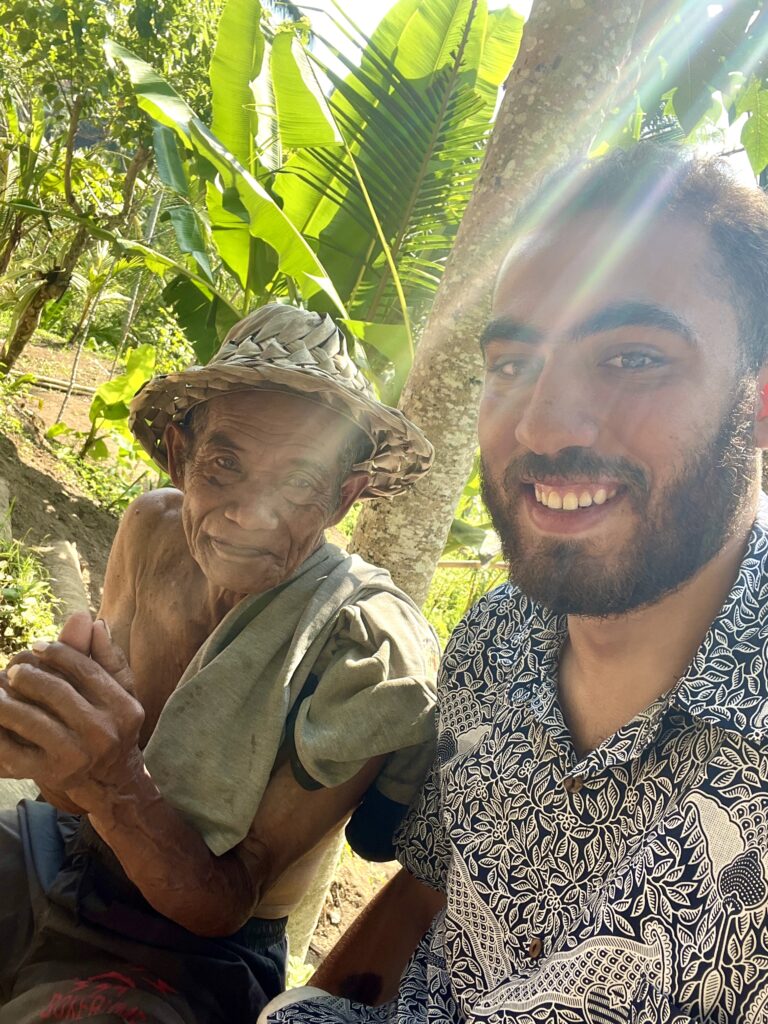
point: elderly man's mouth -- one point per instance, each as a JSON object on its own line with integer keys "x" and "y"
{"x": 237, "y": 551}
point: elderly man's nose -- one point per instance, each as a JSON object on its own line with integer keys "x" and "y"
{"x": 558, "y": 414}
{"x": 253, "y": 511}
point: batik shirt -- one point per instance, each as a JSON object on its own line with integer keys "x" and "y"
{"x": 630, "y": 885}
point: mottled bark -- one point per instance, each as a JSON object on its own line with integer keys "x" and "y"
{"x": 562, "y": 85}
{"x": 57, "y": 279}
{"x": 12, "y": 243}
{"x": 55, "y": 283}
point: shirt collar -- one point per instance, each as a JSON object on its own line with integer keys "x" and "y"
{"x": 725, "y": 685}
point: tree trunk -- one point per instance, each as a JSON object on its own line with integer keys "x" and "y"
{"x": 55, "y": 284}
{"x": 12, "y": 244}
{"x": 564, "y": 81}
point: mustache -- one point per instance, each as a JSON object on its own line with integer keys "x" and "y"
{"x": 576, "y": 462}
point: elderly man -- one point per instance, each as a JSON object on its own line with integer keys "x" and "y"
{"x": 596, "y": 824}
{"x": 246, "y": 686}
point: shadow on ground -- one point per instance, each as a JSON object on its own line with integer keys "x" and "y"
{"x": 45, "y": 508}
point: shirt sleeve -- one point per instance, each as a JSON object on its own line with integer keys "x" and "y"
{"x": 374, "y": 694}
{"x": 421, "y": 842}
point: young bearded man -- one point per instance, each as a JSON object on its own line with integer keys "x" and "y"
{"x": 249, "y": 687}
{"x": 593, "y": 838}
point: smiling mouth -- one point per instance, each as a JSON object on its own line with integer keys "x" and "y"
{"x": 237, "y": 550}
{"x": 572, "y": 497}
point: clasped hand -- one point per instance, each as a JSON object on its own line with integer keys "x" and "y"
{"x": 69, "y": 721}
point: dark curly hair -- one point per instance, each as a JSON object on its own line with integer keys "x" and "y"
{"x": 649, "y": 181}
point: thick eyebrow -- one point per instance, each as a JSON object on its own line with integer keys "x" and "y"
{"x": 506, "y": 328}
{"x": 635, "y": 314}
{"x": 618, "y": 314}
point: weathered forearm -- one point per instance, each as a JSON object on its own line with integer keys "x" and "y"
{"x": 59, "y": 800}
{"x": 369, "y": 959}
{"x": 170, "y": 864}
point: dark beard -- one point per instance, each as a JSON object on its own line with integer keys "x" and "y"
{"x": 697, "y": 514}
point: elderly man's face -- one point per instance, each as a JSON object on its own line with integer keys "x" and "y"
{"x": 616, "y": 422}
{"x": 261, "y": 480}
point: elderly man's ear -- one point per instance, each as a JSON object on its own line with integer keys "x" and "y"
{"x": 350, "y": 491}
{"x": 176, "y": 443}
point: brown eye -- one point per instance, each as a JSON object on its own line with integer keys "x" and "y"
{"x": 298, "y": 489}
{"x": 225, "y": 462}
{"x": 634, "y": 360}
{"x": 298, "y": 483}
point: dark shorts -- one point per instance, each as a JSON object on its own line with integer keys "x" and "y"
{"x": 78, "y": 941}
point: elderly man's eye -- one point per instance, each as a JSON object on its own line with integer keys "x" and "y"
{"x": 225, "y": 462}
{"x": 300, "y": 490}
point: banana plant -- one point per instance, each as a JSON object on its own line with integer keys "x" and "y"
{"x": 350, "y": 202}
{"x": 25, "y": 159}
{"x": 245, "y": 220}
{"x": 415, "y": 115}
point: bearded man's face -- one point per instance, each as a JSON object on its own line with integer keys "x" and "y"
{"x": 616, "y": 421}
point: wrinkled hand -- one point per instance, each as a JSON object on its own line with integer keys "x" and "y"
{"x": 71, "y": 722}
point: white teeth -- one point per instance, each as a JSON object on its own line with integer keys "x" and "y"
{"x": 572, "y": 500}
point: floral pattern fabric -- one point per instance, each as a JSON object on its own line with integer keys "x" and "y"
{"x": 628, "y": 887}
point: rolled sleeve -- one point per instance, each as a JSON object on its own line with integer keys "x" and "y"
{"x": 374, "y": 695}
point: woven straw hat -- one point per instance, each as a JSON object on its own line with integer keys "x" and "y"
{"x": 282, "y": 348}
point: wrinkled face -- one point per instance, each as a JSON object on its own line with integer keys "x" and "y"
{"x": 261, "y": 480}
{"x": 616, "y": 421}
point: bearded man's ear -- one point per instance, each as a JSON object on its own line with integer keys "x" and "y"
{"x": 176, "y": 445}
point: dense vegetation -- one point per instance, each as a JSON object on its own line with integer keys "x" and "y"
{"x": 165, "y": 166}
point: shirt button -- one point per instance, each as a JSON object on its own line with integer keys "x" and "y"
{"x": 535, "y": 948}
{"x": 573, "y": 783}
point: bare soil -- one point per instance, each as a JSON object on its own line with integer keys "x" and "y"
{"x": 355, "y": 885}
{"x": 56, "y": 362}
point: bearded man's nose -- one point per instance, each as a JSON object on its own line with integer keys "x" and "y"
{"x": 557, "y": 415}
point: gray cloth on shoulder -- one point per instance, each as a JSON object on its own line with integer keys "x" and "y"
{"x": 374, "y": 658}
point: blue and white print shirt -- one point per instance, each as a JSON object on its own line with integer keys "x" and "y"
{"x": 628, "y": 886}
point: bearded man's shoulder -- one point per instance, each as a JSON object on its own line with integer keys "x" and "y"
{"x": 497, "y": 616}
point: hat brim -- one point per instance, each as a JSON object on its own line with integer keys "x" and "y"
{"x": 401, "y": 453}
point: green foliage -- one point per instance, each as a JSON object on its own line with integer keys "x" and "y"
{"x": 298, "y": 973}
{"x": 415, "y": 116}
{"x": 240, "y": 209}
{"x": 753, "y": 100}
{"x": 26, "y": 602}
{"x": 114, "y": 481}
{"x": 374, "y": 180}
{"x": 704, "y": 64}
{"x": 454, "y": 591}
{"x": 113, "y": 397}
